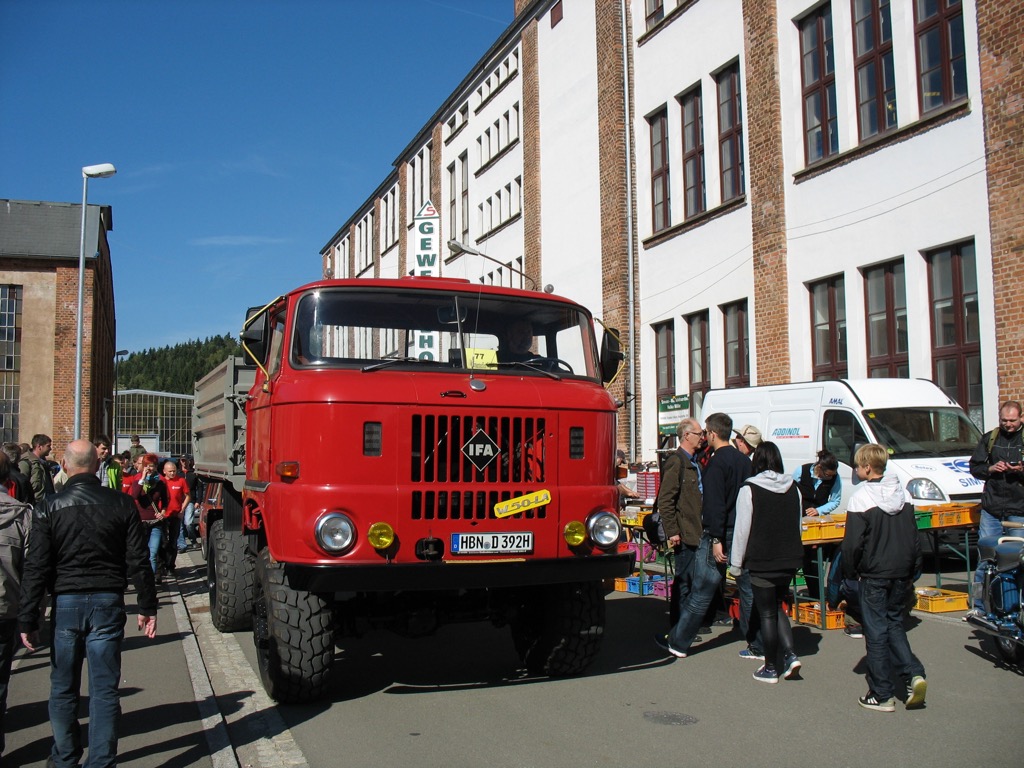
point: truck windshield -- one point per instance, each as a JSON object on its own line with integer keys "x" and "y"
{"x": 378, "y": 329}
{"x": 919, "y": 432}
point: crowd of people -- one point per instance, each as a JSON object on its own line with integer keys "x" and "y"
{"x": 78, "y": 532}
{"x": 726, "y": 503}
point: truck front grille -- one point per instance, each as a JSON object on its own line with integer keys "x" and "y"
{"x": 438, "y": 461}
{"x": 466, "y": 505}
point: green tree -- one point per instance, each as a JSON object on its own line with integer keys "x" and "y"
{"x": 175, "y": 369}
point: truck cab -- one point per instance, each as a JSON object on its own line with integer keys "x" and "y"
{"x": 416, "y": 449}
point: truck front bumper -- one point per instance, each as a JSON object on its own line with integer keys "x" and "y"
{"x": 391, "y": 577}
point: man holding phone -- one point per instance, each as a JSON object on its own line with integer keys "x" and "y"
{"x": 999, "y": 461}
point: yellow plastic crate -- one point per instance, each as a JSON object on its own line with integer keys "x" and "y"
{"x": 822, "y": 527}
{"x": 945, "y": 515}
{"x": 810, "y": 613}
{"x": 940, "y": 600}
{"x": 810, "y": 528}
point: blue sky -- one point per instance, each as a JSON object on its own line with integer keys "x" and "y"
{"x": 244, "y": 133}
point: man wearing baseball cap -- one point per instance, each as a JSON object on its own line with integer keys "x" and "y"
{"x": 747, "y": 439}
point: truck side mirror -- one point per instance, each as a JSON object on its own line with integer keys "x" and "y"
{"x": 254, "y": 335}
{"x": 611, "y": 354}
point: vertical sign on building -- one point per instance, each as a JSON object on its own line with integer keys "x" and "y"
{"x": 427, "y": 255}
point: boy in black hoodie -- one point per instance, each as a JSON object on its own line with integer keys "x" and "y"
{"x": 882, "y": 549}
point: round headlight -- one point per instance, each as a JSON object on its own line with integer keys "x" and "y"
{"x": 380, "y": 535}
{"x": 604, "y": 529}
{"x": 335, "y": 533}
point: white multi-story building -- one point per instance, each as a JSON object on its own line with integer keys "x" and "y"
{"x": 752, "y": 191}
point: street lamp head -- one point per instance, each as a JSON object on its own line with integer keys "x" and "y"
{"x": 101, "y": 171}
{"x": 121, "y": 352}
{"x": 456, "y": 248}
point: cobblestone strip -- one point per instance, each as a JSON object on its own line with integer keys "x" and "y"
{"x": 259, "y": 734}
{"x": 214, "y": 727}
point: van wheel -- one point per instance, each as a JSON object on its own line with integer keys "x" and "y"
{"x": 293, "y": 631}
{"x": 230, "y": 576}
{"x": 559, "y": 629}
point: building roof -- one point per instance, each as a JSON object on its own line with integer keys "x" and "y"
{"x": 45, "y": 230}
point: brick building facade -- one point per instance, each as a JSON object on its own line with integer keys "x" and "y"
{"x": 39, "y": 250}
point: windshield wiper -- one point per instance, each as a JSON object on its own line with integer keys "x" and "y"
{"x": 523, "y": 364}
{"x": 390, "y": 362}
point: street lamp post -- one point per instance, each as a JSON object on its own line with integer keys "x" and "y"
{"x": 101, "y": 171}
{"x": 117, "y": 388}
{"x": 456, "y": 247}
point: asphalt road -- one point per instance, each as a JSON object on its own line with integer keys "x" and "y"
{"x": 457, "y": 698}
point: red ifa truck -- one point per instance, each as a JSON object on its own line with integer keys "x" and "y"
{"x": 405, "y": 453}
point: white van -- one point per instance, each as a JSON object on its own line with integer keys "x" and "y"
{"x": 929, "y": 437}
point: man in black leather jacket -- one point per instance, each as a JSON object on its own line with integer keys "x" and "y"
{"x": 86, "y": 541}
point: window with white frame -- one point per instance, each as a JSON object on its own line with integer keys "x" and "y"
{"x": 875, "y": 70}
{"x": 828, "y": 328}
{"x": 693, "y": 152}
{"x": 737, "y": 347}
{"x": 941, "y": 55}
{"x": 10, "y": 362}
{"x": 818, "y": 78}
{"x": 660, "y": 215}
{"x": 730, "y": 132}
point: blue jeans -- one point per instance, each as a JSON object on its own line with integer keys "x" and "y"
{"x": 87, "y": 626}
{"x": 750, "y": 624}
{"x": 883, "y": 605}
{"x": 684, "y": 556}
{"x": 156, "y": 543}
{"x": 187, "y": 517}
{"x": 990, "y": 525}
{"x": 705, "y": 579}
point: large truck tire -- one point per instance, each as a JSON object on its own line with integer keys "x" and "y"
{"x": 230, "y": 575}
{"x": 560, "y": 628}
{"x": 294, "y": 635}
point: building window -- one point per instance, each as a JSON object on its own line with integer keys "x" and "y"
{"x": 655, "y": 12}
{"x": 10, "y": 361}
{"x": 452, "y": 197}
{"x": 885, "y": 291}
{"x": 693, "y": 152}
{"x": 700, "y": 359}
{"x": 664, "y": 340}
{"x": 464, "y": 192}
{"x": 828, "y": 328}
{"x": 956, "y": 349}
{"x": 556, "y": 13}
{"x": 818, "y": 73}
{"x": 737, "y": 349}
{"x": 659, "y": 170}
{"x": 876, "y": 79}
{"x": 730, "y": 132}
{"x": 941, "y": 59}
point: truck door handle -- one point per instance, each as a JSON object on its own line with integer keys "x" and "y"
{"x": 453, "y": 393}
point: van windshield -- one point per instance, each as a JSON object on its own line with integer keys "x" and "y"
{"x": 918, "y": 432}
{"x": 378, "y": 329}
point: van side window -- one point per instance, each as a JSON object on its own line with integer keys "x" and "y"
{"x": 841, "y": 432}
